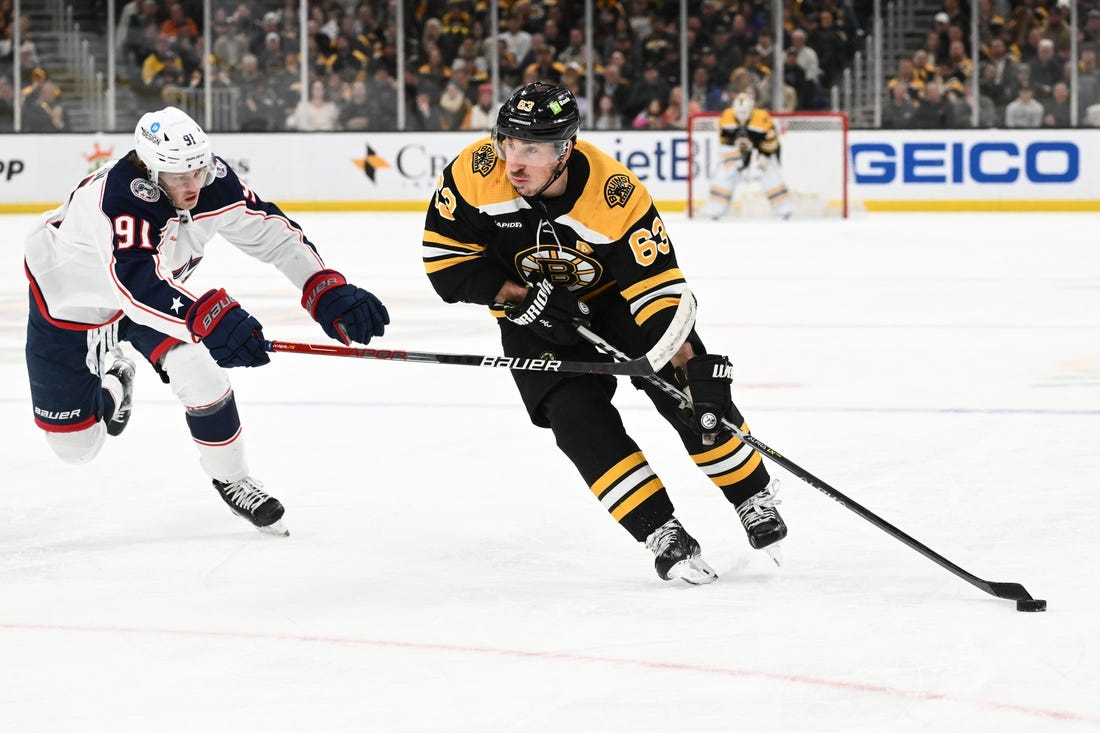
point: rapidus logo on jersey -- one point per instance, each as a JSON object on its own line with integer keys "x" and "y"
{"x": 984, "y": 162}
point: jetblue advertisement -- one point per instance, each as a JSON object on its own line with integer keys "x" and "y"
{"x": 902, "y": 170}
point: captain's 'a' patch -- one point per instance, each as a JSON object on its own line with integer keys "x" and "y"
{"x": 618, "y": 189}
{"x": 483, "y": 159}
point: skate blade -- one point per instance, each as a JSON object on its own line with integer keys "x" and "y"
{"x": 277, "y": 528}
{"x": 693, "y": 571}
{"x": 775, "y": 552}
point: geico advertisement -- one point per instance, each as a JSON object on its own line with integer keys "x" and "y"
{"x": 400, "y": 170}
{"x": 975, "y": 164}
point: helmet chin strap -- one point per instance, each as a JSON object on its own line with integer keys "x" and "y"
{"x": 558, "y": 172}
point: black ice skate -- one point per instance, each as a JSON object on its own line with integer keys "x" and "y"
{"x": 762, "y": 522}
{"x": 123, "y": 369}
{"x": 677, "y": 555}
{"x": 247, "y": 499}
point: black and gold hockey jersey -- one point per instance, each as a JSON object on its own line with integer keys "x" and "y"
{"x": 760, "y": 130}
{"x": 603, "y": 233}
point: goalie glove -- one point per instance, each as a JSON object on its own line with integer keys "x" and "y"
{"x": 551, "y": 312}
{"x": 706, "y": 381}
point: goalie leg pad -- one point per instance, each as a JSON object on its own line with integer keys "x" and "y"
{"x": 771, "y": 180}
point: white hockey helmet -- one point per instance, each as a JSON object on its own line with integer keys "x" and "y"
{"x": 743, "y": 104}
{"x": 169, "y": 141}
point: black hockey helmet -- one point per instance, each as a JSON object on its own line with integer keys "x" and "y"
{"x": 539, "y": 112}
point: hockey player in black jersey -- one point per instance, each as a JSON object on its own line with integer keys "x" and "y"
{"x": 548, "y": 232}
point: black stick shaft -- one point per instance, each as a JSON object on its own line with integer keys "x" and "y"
{"x": 1010, "y": 591}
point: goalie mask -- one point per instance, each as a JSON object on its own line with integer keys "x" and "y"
{"x": 169, "y": 141}
{"x": 742, "y": 108}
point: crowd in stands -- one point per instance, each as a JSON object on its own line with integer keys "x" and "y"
{"x": 353, "y": 74}
{"x": 351, "y": 47}
{"x": 1023, "y": 64}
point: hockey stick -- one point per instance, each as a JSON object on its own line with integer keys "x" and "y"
{"x": 1008, "y": 591}
{"x": 675, "y": 335}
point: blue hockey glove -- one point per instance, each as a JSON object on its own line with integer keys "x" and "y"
{"x": 345, "y": 312}
{"x": 551, "y": 312}
{"x": 233, "y": 337}
{"x": 706, "y": 380}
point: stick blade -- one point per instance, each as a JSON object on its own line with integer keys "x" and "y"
{"x": 1009, "y": 591}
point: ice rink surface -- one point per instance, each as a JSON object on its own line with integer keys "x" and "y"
{"x": 448, "y": 571}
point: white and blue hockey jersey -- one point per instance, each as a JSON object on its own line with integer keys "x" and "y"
{"x": 118, "y": 247}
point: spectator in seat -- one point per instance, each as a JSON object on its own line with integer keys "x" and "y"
{"x": 1056, "y": 110}
{"x": 260, "y": 109}
{"x": 179, "y": 25}
{"x": 382, "y": 98}
{"x": 162, "y": 67}
{"x": 426, "y": 113}
{"x": 931, "y": 111}
{"x": 45, "y": 113}
{"x": 1025, "y": 110}
{"x": 607, "y": 114}
{"x": 650, "y": 87}
{"x": 898, "y": 112}
{"x": 483, "y": 115}
{"x": 1046, "y": 70}
{"x": 355, "y": 113}
{"x": 315, "y": 113}
{"x": 833, "y": 48}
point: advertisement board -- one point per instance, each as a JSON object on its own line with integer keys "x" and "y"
{"x": 906, "y": 170}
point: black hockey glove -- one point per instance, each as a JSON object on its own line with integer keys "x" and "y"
{"x": 706, "y": 380}
{"x": 551, "y": 312}
{"x": 233, "y": 337}
{"x": 744, "y": 144}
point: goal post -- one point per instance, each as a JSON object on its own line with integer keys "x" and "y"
{"x": 813, "y": 153}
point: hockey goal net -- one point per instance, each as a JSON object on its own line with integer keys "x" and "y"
{"x": 813, "y": 153}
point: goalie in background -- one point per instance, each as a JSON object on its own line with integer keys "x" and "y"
{"x": 743, "y": 129}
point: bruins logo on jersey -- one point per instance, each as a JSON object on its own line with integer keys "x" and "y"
{"x": 484, "y": 159}
{"x": 562, "y": 266}
{"x": 618, "y": 190}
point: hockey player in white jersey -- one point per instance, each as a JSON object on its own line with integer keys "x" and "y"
{"x": 749, "y": 147}
{"x": 111, "y": 265}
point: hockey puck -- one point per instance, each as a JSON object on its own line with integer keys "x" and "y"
{"x": 1031, "y": 604}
